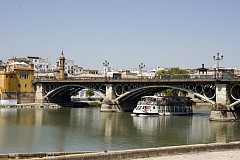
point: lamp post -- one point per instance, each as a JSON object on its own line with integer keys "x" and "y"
{"x": 141, "y": 66}
{"x": 217, "y": 58}
{"x": 105, "y": 64}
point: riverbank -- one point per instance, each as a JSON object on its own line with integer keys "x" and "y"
{"x": 167, "y": 153}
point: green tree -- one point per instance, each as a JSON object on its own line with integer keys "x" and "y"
{"x": 171, "y": 92}
{"x": 161, "y": 72}
{"x": 89, "y": 93}
{"x": 174, "y": 92}
{"x": 174, "y": 72}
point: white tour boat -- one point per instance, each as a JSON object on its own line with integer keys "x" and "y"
{"x": 163, "y": 105}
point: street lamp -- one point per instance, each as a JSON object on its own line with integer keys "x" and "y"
{"x": 105, "y": 64}
{"x": 141, "y": 66}
{"x": 217, "y": 59}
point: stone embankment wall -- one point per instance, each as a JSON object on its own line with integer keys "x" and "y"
{"x": 32, "y": 105}
{"x": 134, "y": 153}
{"x": 49, "y": 105}
{"x": 26, "y": 97}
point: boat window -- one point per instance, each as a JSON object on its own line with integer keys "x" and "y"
{"x": 176, "y": 108}
{"x": 171, "y": 109}
{"x": 166, "y": 109}
{"x": 160, "y": 109}
{"x": 146, "y": 107}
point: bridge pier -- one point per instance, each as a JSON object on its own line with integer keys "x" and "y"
{"x": 108, "y": 105}
{"x": 110, "y": 92}
{"x": 223, "y": 115}
{"x": 39, "y": 94}
{"x": 221, "y": 110}
{"x": 222, "y": 91}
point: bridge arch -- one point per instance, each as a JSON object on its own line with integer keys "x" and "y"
{"x": 141, "y": 91}
{"x": 236, "y": 103}
{"x": 66, "y": 91}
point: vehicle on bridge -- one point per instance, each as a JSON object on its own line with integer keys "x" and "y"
{"x": 163, "y": 105}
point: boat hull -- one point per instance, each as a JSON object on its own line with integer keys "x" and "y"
{"x": 145, "y": 114}
{"x": 161, "y": 114}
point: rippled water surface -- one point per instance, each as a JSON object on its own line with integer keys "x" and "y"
{"x": 88, "y": 129}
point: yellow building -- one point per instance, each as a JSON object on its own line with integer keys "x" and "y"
{"x": 17, "y": 81}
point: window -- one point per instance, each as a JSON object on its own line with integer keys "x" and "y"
{"x": 25, "y": 85}
{"x": 19, "y": 85}
{"x": 24, "y": 75}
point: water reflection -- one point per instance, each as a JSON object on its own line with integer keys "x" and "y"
{"x": 84, "y": 129}
{"x": 225, "y": 131}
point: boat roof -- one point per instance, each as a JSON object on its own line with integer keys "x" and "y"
{"x": 164, "y": 97}
{"x": 150, "y": 96}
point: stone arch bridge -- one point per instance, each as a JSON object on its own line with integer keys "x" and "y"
{"x": 123, "y": 94}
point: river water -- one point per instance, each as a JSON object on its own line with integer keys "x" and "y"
{"x": 87, "y": 129}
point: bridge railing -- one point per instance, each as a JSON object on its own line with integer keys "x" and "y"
{"x": 166, "y": 78}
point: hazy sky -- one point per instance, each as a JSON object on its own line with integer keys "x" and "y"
{"x": 165, "y": 33}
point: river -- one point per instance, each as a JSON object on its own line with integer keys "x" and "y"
{"x": 87, "y": 129}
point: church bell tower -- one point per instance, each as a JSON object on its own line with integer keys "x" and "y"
{"x": 61, "y": 66}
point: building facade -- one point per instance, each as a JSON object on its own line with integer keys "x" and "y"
{"x": 40, "y": 64}
{"x": 16, "y": 81}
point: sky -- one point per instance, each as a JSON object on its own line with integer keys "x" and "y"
{"x": 126, "y": 33}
